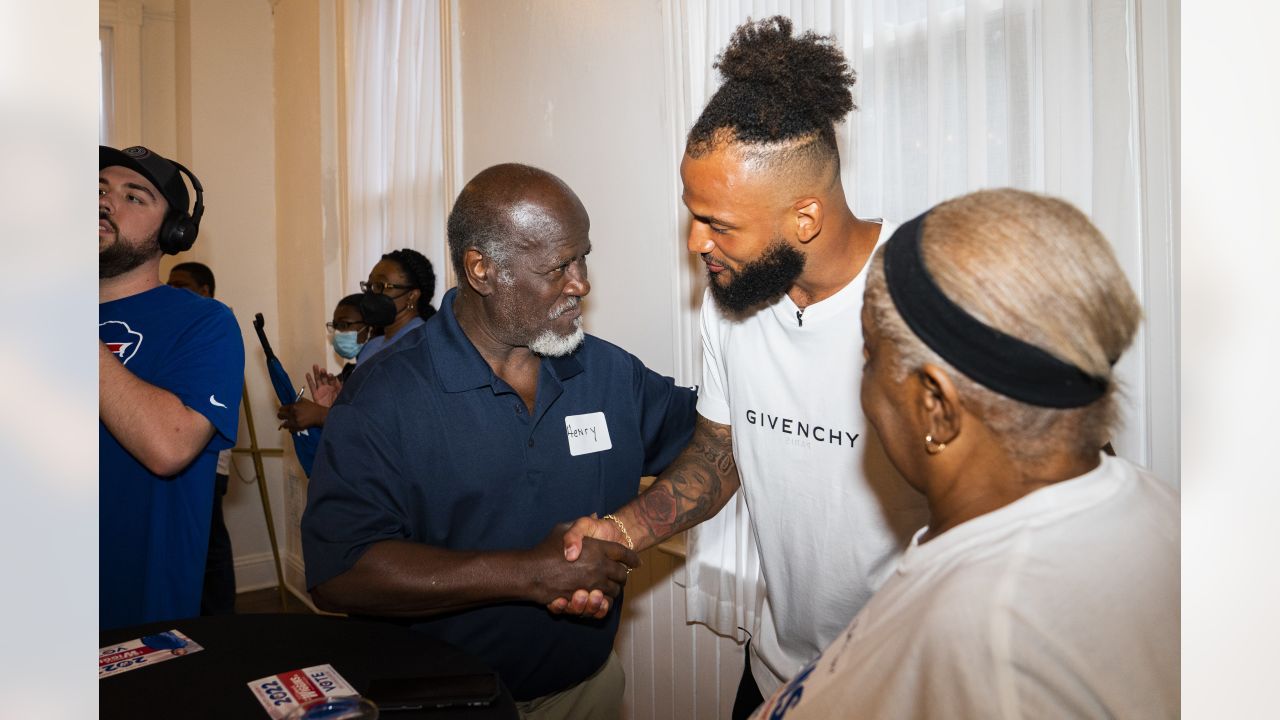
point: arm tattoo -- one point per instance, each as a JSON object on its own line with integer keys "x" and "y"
{"x": 694, "y": 487}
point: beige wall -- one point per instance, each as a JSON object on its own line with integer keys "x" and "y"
{"x": 307, "y": 229}
{"x": 159, "y": 100}
{"x": 577, "y": 88}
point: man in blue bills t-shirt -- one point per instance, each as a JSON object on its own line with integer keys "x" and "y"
{"x": 170, "y": 370}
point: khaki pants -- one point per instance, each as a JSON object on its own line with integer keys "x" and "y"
{"x": 599, "y": 697}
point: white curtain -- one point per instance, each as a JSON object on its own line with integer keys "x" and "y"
{"x": 395, "y": 189}
{"x": 952, "y": 96}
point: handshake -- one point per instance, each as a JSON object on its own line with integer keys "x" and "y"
{"x": 584, "y": 566}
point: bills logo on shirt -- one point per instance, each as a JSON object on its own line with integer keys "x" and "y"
{"x": 120, "y": 339}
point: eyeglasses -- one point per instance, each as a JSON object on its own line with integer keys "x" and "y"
{"x": 377, "y": 287}
{"x": 343, "y": 326}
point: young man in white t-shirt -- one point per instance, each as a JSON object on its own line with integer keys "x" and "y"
{"x": 778, "y": 415}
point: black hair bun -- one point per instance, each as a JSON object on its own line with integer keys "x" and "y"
{"x": 795, "y": 85}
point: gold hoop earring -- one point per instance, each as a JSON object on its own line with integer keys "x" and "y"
{"x": 931, "y": 447}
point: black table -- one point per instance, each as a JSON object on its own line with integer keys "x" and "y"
{"x": 238, "y": 649}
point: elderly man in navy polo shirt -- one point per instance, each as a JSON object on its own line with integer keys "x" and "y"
{"x": 451, "y": 461}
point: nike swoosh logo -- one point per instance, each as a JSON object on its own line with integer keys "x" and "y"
{"x": 214, "y": 401}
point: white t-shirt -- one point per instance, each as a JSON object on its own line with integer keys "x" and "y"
{"x": 1063, "y": 604}
{"x": 829, "y": 512}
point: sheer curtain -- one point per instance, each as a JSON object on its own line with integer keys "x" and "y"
{"x": 952, "y": 96}
{"x": 394, "y": 146}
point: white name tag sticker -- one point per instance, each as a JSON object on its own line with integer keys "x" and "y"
{"x": 587, "y": 433}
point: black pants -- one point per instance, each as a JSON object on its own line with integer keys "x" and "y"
{"x": 219, "y": 595}
{"x": 748, "y": 697}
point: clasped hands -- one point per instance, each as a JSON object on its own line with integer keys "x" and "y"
{"x": 304, "y": 413}
{"x": 584, "y": 542}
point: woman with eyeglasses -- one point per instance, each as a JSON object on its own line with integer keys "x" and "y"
{"x": 405, "y": 276}
{"x": 356, "y": 319}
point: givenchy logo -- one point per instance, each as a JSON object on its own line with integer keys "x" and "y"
{"x": 800, "y": 429}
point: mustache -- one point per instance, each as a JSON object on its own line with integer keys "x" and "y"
{"x": 569, "y": 304}
{"x": 112, "y": 223}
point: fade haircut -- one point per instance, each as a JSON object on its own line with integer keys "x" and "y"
{"x": 1033, "y": 267}
{"x": 198, "y": 272}
{"x": 781, "y": 99}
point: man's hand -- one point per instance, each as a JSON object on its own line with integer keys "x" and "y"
{"x": 598, "y": 573}
{"x": 693, "y": 488}
{"x": 302, "y": 415}
{"x": 324, "y": 386}
{"x": 589, "y": 527}
{"x": 585, "y": 602}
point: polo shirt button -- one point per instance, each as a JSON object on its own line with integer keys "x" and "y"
{"x": 519, "y": 409}
{"x": 531, "y": 443}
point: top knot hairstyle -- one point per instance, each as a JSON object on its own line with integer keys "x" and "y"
{"x": 779, "y": 91}
{"x": 421, "y": 274}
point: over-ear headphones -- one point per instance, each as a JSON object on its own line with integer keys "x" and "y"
{"x": 179, "y": 229}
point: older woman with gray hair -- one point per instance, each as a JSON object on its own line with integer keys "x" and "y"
{"x": 1046, "y": 583}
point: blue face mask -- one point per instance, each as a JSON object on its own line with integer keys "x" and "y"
{"x": 346, "y": 344}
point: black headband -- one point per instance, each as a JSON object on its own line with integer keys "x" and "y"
{"x": 992, "y": 358}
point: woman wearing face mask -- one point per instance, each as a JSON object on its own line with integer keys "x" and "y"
{"x": 407, "y": 278}
{"x": 356, "y": 319}
{"x": 349, "y": 330}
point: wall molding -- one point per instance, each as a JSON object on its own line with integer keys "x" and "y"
{"x": 451, "y": 110}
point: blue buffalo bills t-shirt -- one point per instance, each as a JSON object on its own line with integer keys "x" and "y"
{"x": 153, "y": 531}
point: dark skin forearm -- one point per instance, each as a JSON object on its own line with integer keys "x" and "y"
{"x": 406, "y": 579}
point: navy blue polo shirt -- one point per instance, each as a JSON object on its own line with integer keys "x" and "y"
{"x": 426, "y": 444}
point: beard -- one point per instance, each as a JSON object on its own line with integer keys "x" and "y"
{"x": 760, "y": 281}
{"x": 549, "y": 344}
{"x": 125, "y": 254}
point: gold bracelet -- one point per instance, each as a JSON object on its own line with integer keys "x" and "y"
{"x": 623, "y": 529}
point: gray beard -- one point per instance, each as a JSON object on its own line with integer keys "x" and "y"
{"x": 549, "y": 344}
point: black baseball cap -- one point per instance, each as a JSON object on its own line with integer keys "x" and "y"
{"x": 162, "y": 172}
